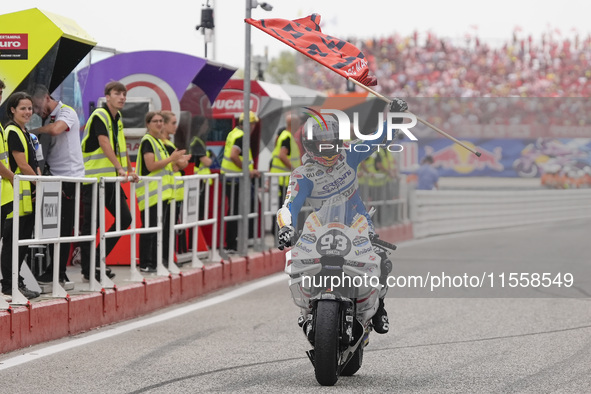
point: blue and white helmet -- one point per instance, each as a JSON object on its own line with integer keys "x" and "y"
{"x": 323, "y": 143}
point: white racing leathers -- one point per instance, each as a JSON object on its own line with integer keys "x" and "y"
{"x": 315, "y": 184}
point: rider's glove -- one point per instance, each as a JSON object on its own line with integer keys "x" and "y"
{"x": 398, "y": 105}
{"x": 285, "y": 236}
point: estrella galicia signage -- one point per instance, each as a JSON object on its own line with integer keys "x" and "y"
{"x": 14, "y": 46}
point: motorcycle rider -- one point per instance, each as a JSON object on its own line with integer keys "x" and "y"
{"x": 328, "y": 173}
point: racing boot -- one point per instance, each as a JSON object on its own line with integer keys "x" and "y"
{"x": 385, "y": 269}
{"x": 306, "y": 324}
{"x": 380, "y": 319}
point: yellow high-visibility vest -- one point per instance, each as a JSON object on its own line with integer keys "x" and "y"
{"x": 179, "y": 194}
{"x": 227, "y": 164}
{"x": 294, "y": 157}
{"x": 24, "y": 192}
{"x": 160, "y": 153}
{"x": 5, "y": 185}
{"x": 373, "y": 179}
{"x": 200, "y": 168}
{"x": 96, "y": 163}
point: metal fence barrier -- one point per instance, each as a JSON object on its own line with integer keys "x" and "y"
{"x": 390, "y": 200}
{"x": 47, "y": 225}
{"x": 270, "y": 204}
{"x": 389, "y": 197}
{"x": 191, "y": 206}
{"x": 135, "y": 275}
{"x": 229, "y": 182}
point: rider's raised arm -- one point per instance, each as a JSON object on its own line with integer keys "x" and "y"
{"x": 363, "y": 148}
{"x": 300, "y": 187}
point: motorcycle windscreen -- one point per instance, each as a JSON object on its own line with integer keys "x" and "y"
{"x": 334, "y": 257}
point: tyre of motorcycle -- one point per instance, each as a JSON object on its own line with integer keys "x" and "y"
{"x": 326, "y": 342}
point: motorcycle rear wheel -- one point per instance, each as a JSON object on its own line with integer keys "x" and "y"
{"x": 326, "y": 342}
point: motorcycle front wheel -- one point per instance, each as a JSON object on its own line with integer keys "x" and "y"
{"x": 326, "y": 342}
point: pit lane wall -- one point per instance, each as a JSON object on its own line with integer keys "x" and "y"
{"x": 453, "y": 211}
{"x": 47, "y": 320}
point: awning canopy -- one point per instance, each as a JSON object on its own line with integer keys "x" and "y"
{"x": 264, "y": 98}
{"x": 302, "y": 96}
{"x": 39, "y": 47}
{"x": 161, "y": 75}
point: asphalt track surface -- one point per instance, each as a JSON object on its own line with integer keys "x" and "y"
{"x": 539, "y": 341}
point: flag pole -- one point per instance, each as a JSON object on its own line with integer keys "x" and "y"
{"x": 437, "y": 129}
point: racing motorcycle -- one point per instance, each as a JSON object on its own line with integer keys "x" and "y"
{"x": 334, "y": 271}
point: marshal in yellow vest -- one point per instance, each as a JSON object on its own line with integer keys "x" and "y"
{"x": 24, "y": 193}
{"x": 5, "y": 185}
{"x": 294, "y": 156}
{"x": 227, "y": 164}
{"x": 167, "y": 174}
{"x": 96, "y": 163}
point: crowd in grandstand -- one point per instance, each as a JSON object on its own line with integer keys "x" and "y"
{"x": 541, "y": 111}
{"x": 435, "y": 67}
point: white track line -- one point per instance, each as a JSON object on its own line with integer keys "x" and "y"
{"x": 110, "y": 332}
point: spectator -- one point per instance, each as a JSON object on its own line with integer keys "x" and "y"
{"x": 104, "y": 151}
{"x": 436, "y": 67}
{"x": 297, "y": 134}
{"x": 153, "y": 160}
{"x": 203, "y": 159}
{"x": 169, "y": 129}
{"x": 232, "y": 163}
{"x": 286, "y": 154}
{"x": 22, "y": 157}
{"x": 427, "y": 175}
{"x": 200, "y": 155}
{"x": 5, "y": 173}
{"x": 64, "y": 158}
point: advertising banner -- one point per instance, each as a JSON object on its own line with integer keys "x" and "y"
{"x": 525, "y": 158}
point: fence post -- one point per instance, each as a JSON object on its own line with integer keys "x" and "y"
{"x": 17, "y": 297}
{"x": 172, "y": 267}
{"x": 3, "y": 303}
{"x": 105, "y": 282}
{"x": 257, "y": 236}
{"x": 160, "y": 269}
{"x": 195, "y": 260}
{"x": 222, "y": 223}
{"x": 215, "y": 255}
{"x": 134, "y": 274}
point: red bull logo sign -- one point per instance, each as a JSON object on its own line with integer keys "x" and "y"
{"x": 460, "y": 160}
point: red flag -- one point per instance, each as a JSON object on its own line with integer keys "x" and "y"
{"x": 305, "y": 36}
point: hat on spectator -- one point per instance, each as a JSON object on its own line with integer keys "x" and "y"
{"x": 252, "y": 117}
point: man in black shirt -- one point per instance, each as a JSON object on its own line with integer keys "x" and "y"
{"x": 105, "y": 154}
